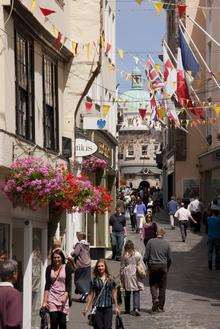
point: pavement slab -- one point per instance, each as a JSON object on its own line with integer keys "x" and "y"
{"x": 193, "y": 292}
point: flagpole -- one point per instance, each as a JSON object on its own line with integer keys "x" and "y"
{"x": 201, "y": 28}
{"x": 181, "y": 26}
{"x": 174, "y": 58}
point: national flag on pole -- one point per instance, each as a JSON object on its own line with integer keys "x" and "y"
{"x": 153, "y": 105}
{"x": 169, "y": 74}
{"x": 153, "y": 75}
{"x": 189, "y": 60}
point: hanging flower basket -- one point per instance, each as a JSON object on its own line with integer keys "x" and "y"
{"x": 33, "y": 183}
{"x": 93, "y": 164}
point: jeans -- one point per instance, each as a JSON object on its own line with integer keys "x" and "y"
{"x": 133, "y": 221}
{"x": 183, "y": 229}
{"x": 58, "y": 320}
{"x": 214, "y": 245}
{"x": 103, "y": 318}
{"x": 136, "y": 300}
{"x": 172, "y": 223}
{"x": 158, "y": 283}
{"x": 117, "y": 241}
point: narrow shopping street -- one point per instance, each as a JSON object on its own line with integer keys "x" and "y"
{"x": 193, "y": 294}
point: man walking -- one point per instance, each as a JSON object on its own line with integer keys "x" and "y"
{"x": 117, "y": 227}
{"x": 172, "y": 207}
{"x": 158, "y": 259}
{"x": 195, "y": 208}
{"x": 10, "y": 298}
{"x": 213, "y": 223}
{"x": 140, "y": 211}
{"x": 183, "y": 215}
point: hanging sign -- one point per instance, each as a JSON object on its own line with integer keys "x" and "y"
{"x": 84, "y": 147}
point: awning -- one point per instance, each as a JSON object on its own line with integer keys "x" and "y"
{"x": 141, "y": 170}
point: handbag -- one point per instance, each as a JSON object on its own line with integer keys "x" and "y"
{"x": 44, "y": 318}
{"x": 141, "y": 268}
{"x": 119, "y": 323}
{"x": 92, "y": 314}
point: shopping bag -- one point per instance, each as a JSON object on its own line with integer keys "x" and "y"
{"x": 119, "y": 323}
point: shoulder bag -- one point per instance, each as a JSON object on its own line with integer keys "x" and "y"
{"x": 141, "y": 268}
{"x": 92, "y": 314}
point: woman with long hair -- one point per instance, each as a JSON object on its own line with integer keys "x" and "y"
{"x": 149, "y": 229}
{"x": 57, "y": 290}
{"x": 131, "y": 281}
{"x": 103, "y": 295}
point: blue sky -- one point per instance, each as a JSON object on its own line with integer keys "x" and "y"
{"x": 139, "y": 29}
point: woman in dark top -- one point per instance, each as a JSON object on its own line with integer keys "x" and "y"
{"x": 105, "y": 300}
{"x": 149, "y": 229}
{"x": 57, "y": 290}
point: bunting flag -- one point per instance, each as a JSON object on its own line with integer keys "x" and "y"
{"x": 33, "y": 5}
{"x": 153, "y": 105}
{"x": 58, "y": 41}
{"x": 121, "y": 53}
{"x": 108, "y": 48}
{"x": 188, "y": 58}
{"x": 46, "y": 11}
{"x": 158, "y": 6}
{"x": 161, "y": 112}
{"x": 74, "y": 47}
{"x": 139, "y": 2}
{"x": 181, "y": 9}
{"x": 105, "y": 110}
{"x": 169, "y": 74}
{"x": 88, "y": 106}
{"x": 142, "y": 113}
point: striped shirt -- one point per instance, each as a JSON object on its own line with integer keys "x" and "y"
{"x": 105, "y": 299}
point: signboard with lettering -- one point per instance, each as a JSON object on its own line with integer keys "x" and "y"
{"x": 85, "y": 147}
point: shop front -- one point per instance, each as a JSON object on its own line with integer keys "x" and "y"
{"x": 23, "y": 235}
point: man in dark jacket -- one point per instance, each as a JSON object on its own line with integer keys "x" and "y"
{"x": 158, "y": 259}
{"x": 10, "y": 298}
{"x": 117, "y": 228}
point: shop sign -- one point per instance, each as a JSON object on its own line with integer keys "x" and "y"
{"x": 104, "y": 150}
{"x": 85, "y": 147}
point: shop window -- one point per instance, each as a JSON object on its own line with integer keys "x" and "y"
{"x": 5, "y": 238}
{"x": 24, "y": 73}
{"x": 50, "y": 103}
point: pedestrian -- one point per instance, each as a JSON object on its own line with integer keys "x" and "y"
{"x": 149, "y": 229}
{"x": 150, "y": 204}
{"x": 213, "y": 223}
{"x": 158, "y": 259}
{"x": 131, "y": 281}
{"x": 132, "y": 214}
{"x": 172, "y": 207}
{"x": 140, "y": 211}
{"x": 81, "y": 261}
{"x": 117, "y": 227}
{"x": 121, "y": 203}
{"x": 57, "y": 293}
{"x": 102, "y": 296}
{"x": 183, "y": 215}
{"x": 10, "y": 298}
{"x": 195, "y": 207}
{"x": 3, "y": 256}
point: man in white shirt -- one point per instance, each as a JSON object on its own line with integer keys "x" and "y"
{"x": 183, "y": 215}
{"x": 195, "y": 207}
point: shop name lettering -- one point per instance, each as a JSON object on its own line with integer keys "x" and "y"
{"x": 84, "y": 148}
{"x": 104, "y": 150}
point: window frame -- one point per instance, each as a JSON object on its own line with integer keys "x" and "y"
{"x": 127, "y": 151}
{"x": 55, "y": 143}
{"x": 29, "y": 125}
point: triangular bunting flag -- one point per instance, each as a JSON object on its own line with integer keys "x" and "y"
{"x": 74, "y": 47}
{"x": 33, "y": 5}
{"x": 158, "y": 6}
{"x": 46, "y": 11}
{"x": 216, "y": 108}
{"x": 88, "y": 106}
{"x": 58, "y": 41}
{"x": 181, "y": 9}
{"x": 139, "y": 2}
{"x": 121, "y": 53}
{"x": 105, "y": 110}
{"x": 142, "y": 113}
